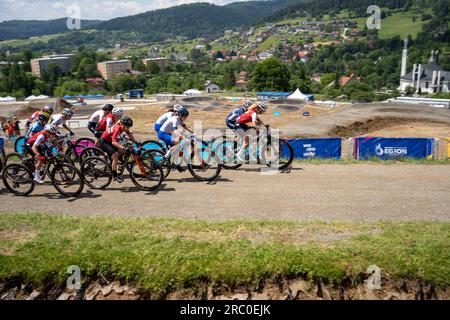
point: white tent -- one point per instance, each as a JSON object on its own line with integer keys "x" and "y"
{"x": 7, "y": 99}
{"x": 42, "y": 97}
{"x": 192, "y": 92}
{"x": 31, "y": 98}
{"x": 298, "y": 95}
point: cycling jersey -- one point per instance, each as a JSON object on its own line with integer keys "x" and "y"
{"x": 113, "y": 134}
{"x": 106, "y": 123}
{"x": 171, "y": 125}
{"x": 235, "y": 114}
{"x": 34, "y": 116}
{"x": 37, "y": 127}
{"x": 58, "y": 120}
{"x": 166, "y": 116}
{"x": 38, "y": 139}
{"x": 249, "y": 116}
{"x": 97, "y": 116}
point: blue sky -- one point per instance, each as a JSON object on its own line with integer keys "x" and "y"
{"x": 90, "y": 9}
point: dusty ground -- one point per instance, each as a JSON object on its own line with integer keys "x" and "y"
{"x": 361, "y": 192}
{"x": 384, "y": 119}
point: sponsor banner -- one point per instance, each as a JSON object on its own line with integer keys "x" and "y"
{"x": 2, "y": 145}
{"x": 326, "y": 148}
{"x": 391, "y": 148}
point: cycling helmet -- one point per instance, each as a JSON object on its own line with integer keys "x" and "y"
{"x": 67, "y": 112}
{"x": 108, "y": 107}
{"x": 183, "y": 112}
{"x": 248, "y": 103}
{"x": 51, "y": 128}
{"x": 262, "y": 106}
{"x": 117, "y": 112}
{"x": 48, "y": 109}
{"x": 177, "y": 107}
{"x": 127, "y": 121}
{"x": 43, "y": 116}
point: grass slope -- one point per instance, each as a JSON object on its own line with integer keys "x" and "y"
{"x": 166, "y": 254}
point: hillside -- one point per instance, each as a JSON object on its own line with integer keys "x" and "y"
{"x": 190, "y": 20}
{"x": 19, "y": 29}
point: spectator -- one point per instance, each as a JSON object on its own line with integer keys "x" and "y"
{"x": 10, "y": 130}
{"x": 4, "y": 123}
{"x": 16, "y": 126}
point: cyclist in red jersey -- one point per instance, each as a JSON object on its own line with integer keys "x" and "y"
{"x": 38, "y": 144}
{"x": 250, "y": 117}
{"x": 110, "y": 142}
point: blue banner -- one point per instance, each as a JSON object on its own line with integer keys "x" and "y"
{"x": 2, "y": 146}
{"x": 324, "y": 148}
{"x": 391, "y": 148}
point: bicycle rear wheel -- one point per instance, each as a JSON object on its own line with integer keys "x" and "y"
{"x": 97, "y": 173}
{"x": 91, "y": 152}
{"x": 19, "y": 145}
{"x": 146, "y": 174}
{"x": 18, "y": 179}
{"x": 226, "y": 151}
{"x": 153, "y": 144}
{"x": 206, "y": 167}
{"x": 159, "y": 157}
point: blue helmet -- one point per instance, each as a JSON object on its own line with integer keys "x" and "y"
{"x": 183, "y": 112}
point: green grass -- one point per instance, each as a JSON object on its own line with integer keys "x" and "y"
{"x": 268, "y": 43}
{"x": 165, "y": 254}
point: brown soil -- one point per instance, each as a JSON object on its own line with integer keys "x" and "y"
{"x": 274, "y": 289}
{"x": 393, "y": 127}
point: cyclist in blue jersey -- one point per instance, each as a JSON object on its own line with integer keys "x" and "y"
{"x": 232, "y": 117}
{"x": 166, "y": 116}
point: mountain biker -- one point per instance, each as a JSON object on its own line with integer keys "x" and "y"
{"x": 108, "y": 121}
{"x": 110, "y": 142}
{"x": 99, "y": 115}
{"x": 236, "y": 113}
{"x": 250, "y": 117}
{"x": 61, "y": 119}
{"x": 166, "y": 116}
{"x": 38, "y": 144}
{"x": 47, "y": 109}
{"x": 38, "y": 125}
{"x": 170, "y": 134}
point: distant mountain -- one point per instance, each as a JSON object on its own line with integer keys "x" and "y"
{"x": 20, "y": 29}
{"x": 190, "y": 20}
{"x": 197, "y": 19}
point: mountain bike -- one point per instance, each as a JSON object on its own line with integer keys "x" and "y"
{"x": 273, "y": 154}
{"x": 145, "y": 172}
{"x": 66, "y": 178}
{"x": 198, "y": 155}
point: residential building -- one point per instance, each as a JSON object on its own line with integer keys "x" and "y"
{"x": 161, "y": 62}
{"x": 64, "y": 61}
{"x": 211, "y": 87}
{"x": 110, "y": 69}
{"x": 241, "y": 84}
{"x": 343, "y": 81}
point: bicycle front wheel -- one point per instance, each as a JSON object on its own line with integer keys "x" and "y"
{"x": 146, "y": 174}
{"x": 67, "y": 180}
{"x": 18, "y": 179}
{"x": 203, "y": 164}
{"x": 159, "y": 156}
{"x": 97, "y": 173}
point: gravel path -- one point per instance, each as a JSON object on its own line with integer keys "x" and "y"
{"x": 360, "y": 192}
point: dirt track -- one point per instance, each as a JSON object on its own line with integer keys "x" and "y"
{"x": 309, "y": 192}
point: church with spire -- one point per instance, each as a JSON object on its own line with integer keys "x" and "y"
{"x": 424, "y": 78}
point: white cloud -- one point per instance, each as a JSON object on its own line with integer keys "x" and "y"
{"x": 90, "y": 9}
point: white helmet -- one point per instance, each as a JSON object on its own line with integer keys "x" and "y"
{"x": 67, "y": 112}
{"x": 248, "y": 103}
{"x": 117, "y": 112}
{"x": 48, "y": 109}
{"x": 177, "y": 107}
{"x": 262, "y": 106}
{"x": 51, "y": 128}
